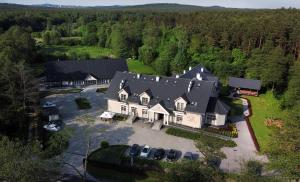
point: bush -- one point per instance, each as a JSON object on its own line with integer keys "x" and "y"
{"x": 104, "y": 144}
{"x": 254, "y": 168}
{"x": 82, "y": 103}
{"x": 120, "y": 117}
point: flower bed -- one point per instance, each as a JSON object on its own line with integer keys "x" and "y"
{"x": 230, "y": 130}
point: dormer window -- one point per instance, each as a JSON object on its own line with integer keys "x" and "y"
{"x": 145, "y": 101}
{"x": 123, "y": 97}
{"x": 180, "y": 106}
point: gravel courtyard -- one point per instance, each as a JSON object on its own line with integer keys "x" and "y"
{"x": 114, "y": 133}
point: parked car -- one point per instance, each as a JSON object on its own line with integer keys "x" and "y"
{"x": 145, "y": 151}
{"x": 188, "y": 156}
{"x": 52, "y": 127}
{"x": 49, "y": 104}
{"x": 159, "y": 154}
{"x": 171, "y": 156}
{"x": 134, "y": 150}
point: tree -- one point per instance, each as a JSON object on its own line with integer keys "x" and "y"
{"x": 274, "y": 69}
{"x": 118, "y": 43}
{"x": 21, "y": 162}
{"x": 46, "y": 38}
{"x": 147, "y": 54}
{"x": 90, "y": 39}
{"x": 182, "y": 57}
{"x": 292, "y": 95}
{"x": 162, "y": 63}
{"x": 193, "y": 171}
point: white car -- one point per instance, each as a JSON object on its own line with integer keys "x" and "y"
{"x": 49, "y": 104}
{"x": 145, "y": 151}
{"x": 52, "y": 127}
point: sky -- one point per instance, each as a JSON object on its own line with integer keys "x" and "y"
{"x": 224, "y": 3}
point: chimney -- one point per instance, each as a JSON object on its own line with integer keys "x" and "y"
{"x": 184, "y": 71}
{"x": 138, "y": 76}
{"x": 190, "y": 68}
{"x": 121, "y": 84}
{"x": 177, "y": 76}
{"x": 157, "y": 78}
{"x": 198, "y": 76}
{"x": 190, "y": 86}
{"x": 202, "y": 69}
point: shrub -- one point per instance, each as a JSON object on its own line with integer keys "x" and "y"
{"x": 82, "y": 103}
{"x": 101, "y": 90}
{"x": 104, "y": 144}
{"x": 120, "y": 117}
{"x": 254, "y": 168}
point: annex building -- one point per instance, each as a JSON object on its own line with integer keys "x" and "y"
{"x": 82, "y": 72}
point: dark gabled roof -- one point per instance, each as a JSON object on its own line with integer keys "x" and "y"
{"x": 165, "y": 91}
{"x": 78, "y": 70}
{"x": 217, "y": 106}
{"x": 244, "y": 83}
{"x": 205, "y": 74}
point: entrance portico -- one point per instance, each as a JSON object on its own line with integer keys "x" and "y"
{"x": 159, "y": 113}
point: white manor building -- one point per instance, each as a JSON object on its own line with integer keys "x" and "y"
{"x": 190, "y": 99}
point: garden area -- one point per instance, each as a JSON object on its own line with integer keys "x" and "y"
{"x": 264, "y": 107}
{"x": 82, "y": 103}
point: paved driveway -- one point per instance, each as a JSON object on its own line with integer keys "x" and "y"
{"x": 245, "y": 149}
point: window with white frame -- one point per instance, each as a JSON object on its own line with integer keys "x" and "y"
{"x": 145, "y": 101}
{"x": 123, "y": 109}
{"x": 144, "y": 113}
{"x": 179, "y": 119}
{"x": 123, "y": 97}
{"x": 180, "y": 106}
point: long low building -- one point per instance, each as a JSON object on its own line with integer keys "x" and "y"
{"x": 169, "y": 100}
{"x": 82, "y": 72}
{"x": 245, "y": 86}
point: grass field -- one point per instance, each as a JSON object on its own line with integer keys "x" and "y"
{"x": 92, "y": 51}
{"x": 136, "y": 66}
{"x": 263, "y": 107}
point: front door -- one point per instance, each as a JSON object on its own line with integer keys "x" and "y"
{"x": 133, "y": 111}
{"x": 159, "y": 117}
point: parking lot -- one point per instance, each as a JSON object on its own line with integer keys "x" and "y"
{"x": 114, "y": 133}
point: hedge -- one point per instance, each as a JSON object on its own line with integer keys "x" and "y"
{"x": 200, "y": 136}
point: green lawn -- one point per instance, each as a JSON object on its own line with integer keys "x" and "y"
{"x": 136, "y": 66}
{"x": 58, "y": 51}
{"x": 263, "y": 107}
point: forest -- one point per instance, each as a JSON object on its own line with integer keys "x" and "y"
{"x": 258, "y": 44}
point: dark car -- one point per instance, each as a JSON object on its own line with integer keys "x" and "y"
{"x": 172, "y": 155}
{"x": 134, "y": 150}
{"x": 159, "y": 154}
{"x": 188, "y": 156}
